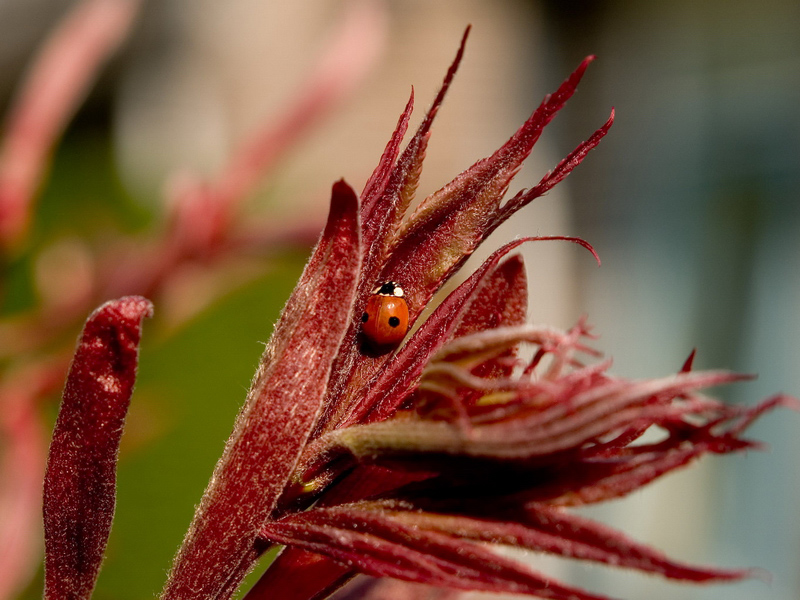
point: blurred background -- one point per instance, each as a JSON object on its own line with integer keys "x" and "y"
{"x": 691, "y": 201}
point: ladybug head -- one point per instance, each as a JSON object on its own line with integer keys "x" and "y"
{"x": 389, "y": 288}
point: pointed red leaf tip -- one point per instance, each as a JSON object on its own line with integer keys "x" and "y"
{"x": 378, "y": 544}
{"x": 376, "y": 184}
{"x": 385, "y": 201}
{"x": 80, "y": 481}
{"x": 687, "y": 364}
{"x": 283, "y": 403}
{"x": 380, "y": 529}
{"x": 392, "y": 186}
{"x": 449, "y": 224}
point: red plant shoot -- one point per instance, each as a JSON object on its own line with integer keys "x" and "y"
{"x": 411, "y": 458}
{"x": 80, "y": 481}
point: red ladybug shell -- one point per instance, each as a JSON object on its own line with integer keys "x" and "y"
{"x": 385, "y": 319}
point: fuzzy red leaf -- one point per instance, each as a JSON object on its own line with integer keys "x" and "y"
{"x": 282, "y": 405}
{"x": 451, "y": 223}
{"x": 564, "y": 168}
{"x": 373, "y": 192}
{"x": 80, "y": 481}
{"x": 544, "y": 528}
{"x": 503, "y": 301}
{"x": 383, "y": 216}
{"x": 378, "y": 545}
{"x": 564, "y": 425}
{"x": 382, "y": 213}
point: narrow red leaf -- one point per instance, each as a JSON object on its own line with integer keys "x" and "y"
{"x": 378, "y": 545}
{"x": 544, "y": 528}
{"x": 564, "y": 168}
{"x": 354, "y": 367}
{"x": 376, "y": 184}
{"x": 689, "y": 362}
{"x": 576, "y": 534}
{"x": 596, "y": 481}
{"x": 392, "y": 185}
{"x": 601, "y": 410}
{"x": 451, "y": 223}
{"x": 593, "y": 478}
{"x": 282, "y": 405}
{"x": 383, "y": 214}
{"x": 502, "y": 301}
{"x": 80, "y": 481}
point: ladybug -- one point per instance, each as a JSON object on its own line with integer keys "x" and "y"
{"x": 385, "y": 318}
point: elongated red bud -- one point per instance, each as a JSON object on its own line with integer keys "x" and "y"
{"x": 80, "y": 482}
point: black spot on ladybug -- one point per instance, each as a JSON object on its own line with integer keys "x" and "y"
{"x": 394, "y": 321}
{"x": 364, "y": 318}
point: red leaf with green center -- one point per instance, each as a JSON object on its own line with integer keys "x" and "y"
{"x": 282, "y": 405}
{"x": 80, "y": 481}
{"x": 526, "y": 433}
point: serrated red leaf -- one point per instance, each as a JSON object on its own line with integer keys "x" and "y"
{"x": 448, "y": 225}
{"x": 382, "y": 546}
{"x": 355, "y": 365}
{"x": 543, "y": 528}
